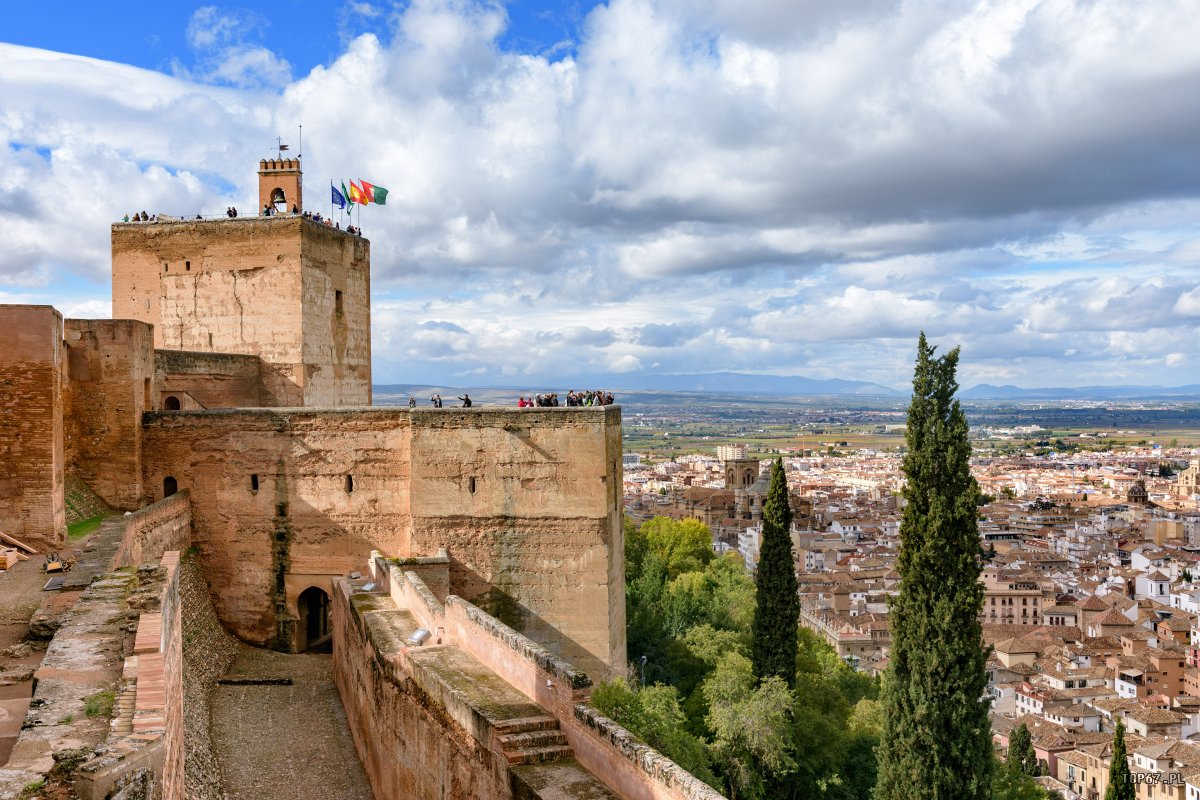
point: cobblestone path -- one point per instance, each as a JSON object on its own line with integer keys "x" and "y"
{"x": 285, "y": 742}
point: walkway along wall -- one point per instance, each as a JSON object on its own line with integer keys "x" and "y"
{"x": 436, "y": 721}
{"x": 526, "y": 502}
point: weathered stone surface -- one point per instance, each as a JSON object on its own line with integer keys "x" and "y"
{"x": 290, "y": 291}
{"x": 207, "y": 653}
{"x": 31, "y": 426}
{"x": 110, "y": 371}
{"x": 526, "y": 502}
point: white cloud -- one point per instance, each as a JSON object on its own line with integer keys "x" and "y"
{"x": 783, "y": 185}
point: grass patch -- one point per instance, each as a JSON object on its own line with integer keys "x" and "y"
{"x": 30, "y": 789}
{"x": 85, "y": 527}
{"x": 99, "y": 704}
{"x": 67, "y": 720}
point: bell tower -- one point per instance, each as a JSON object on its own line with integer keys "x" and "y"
{"x": 280, "y": 185}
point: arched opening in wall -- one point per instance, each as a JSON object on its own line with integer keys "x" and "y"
{"x": 349, "y": 484}
{"x": 314, "y": 634}
{"x": 170, "y": 486}
{"x": 171, "y": 403}
{"x": 146, "y": 394}
{"x": 278, "y": 198}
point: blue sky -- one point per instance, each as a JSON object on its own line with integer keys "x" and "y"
{"x": 642, "y": 186}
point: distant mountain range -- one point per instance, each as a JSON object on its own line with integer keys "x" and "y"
{"x": 799, "y": 386}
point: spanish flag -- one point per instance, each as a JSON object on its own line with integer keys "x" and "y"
{"x": 357, "y": 195}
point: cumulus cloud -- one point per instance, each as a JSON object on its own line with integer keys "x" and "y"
{"x": 779, "y": 185}
{"x": 226, "y": 50}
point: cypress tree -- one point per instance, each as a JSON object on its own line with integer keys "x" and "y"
{"x": 777, "y": 606}
{"x": 936, "y": 742}
{"x": 1021, "y": 755}
{"x": 1120, "y": 781}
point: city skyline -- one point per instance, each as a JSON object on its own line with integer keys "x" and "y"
{"x": 631, "y": 187}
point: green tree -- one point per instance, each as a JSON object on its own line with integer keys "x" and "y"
{"x": 683, "y": 545}
{"x": 1021, "y": 755}
{"x": 750, "y": 721}
{"x": 936, "y": 741}
{"x": 654, "y": 716}
{"x": 777, "y": 607}
{"x": 1120, "y": 781}
{"x": 1015, "y": 785}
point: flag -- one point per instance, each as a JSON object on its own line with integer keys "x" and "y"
{"x": 339, "y": 199}
{"x": 356, "y": 194}
{"x": 283, "y": 147}
{"x": 368, "y": 191}
{"x": 349, "y": 198}
{"x": 375, "y": 194}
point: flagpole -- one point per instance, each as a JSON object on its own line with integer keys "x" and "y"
{"x": 331, "y": 198}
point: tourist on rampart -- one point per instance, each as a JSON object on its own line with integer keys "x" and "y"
{"x": 436, "y": 400}
{"x": 466, "y": 400}
{"x": 412, "y": 401}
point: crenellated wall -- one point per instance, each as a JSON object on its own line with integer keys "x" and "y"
{"x": 526, "y": 502}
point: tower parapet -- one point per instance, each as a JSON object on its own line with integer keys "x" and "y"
{"x": 280, "y": 185}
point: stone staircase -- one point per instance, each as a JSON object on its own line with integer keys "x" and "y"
{"x": 532, "y": 740}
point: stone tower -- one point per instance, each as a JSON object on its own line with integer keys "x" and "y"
{"x": 280, "y": 185}
{"x": 293, "y": 292}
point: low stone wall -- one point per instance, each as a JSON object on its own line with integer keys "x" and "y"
{"x": 627, "y": 767}
{"x": 409, "y": 744}
{"x": 143, "y": 756}
{"x": 208, "y": 652}
{"x": 158, "y": 528}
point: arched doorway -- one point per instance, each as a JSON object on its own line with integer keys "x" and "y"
{"x": 314, "y": 634}
{"x": 170, "y": 486}
{"x": 171, "y": 403}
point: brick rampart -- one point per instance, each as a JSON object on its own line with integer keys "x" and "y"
{"x": 527, "y": 504}
{"x": 110, "y": 375}
{"x": 31, "y": 430}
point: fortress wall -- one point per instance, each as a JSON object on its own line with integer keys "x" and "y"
{"x": 110, "y": 376}
{"x": 154, "y": 530}
{"x": 31, "y": 429}
{"x": 301, "y": 524}
{"x": 528, "y": 503}
{"x": 213, "y": 380}
{"x": 228, "y": 286}
{"x": 534, "y": 542}
{"x": 337, "y": 333}
{"x": 255, "y": 286}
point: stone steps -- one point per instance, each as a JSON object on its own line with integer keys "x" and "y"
{"x": 539, "y": 755}
{"x": 532, "y": 740}
{"x": 539, "y": 738}
{"x": 525, "y": 724}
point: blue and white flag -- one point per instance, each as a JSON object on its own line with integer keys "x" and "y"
{"x": 339, "y": 199}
